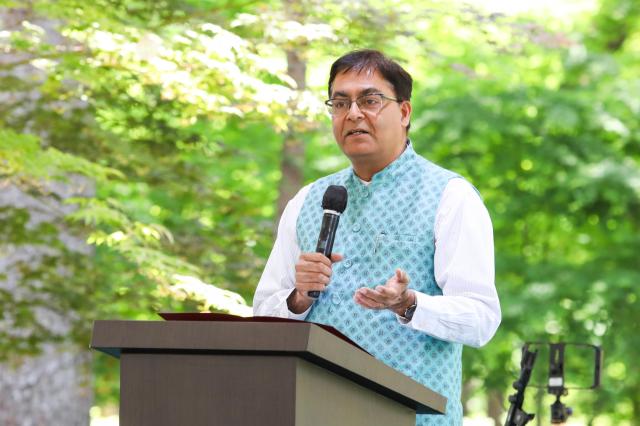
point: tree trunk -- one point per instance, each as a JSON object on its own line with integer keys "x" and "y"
{"x": 51, "y": 389}
{"x": 467, "y": 391}
{"x": 54, "y": 387}
{"x": 292, "y": 162}
{"x": 495, "y": 407}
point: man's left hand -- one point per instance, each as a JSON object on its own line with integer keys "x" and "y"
{"x": 393, "y": 295}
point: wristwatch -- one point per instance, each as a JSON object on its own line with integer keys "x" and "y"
{"x": 408, "y": 313}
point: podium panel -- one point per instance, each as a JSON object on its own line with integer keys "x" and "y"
{"x": 250, "y": 373}
{"x": 329, "y": 399}
{"x": 246, "y": 390}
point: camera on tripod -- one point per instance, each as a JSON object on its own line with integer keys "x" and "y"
{"x": 555, "y": 385}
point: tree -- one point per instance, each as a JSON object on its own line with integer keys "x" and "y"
{"x": 175, "y": 114}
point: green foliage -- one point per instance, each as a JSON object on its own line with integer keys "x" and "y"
{"x": 24, "y": 160}
{"x": 174, "y": 111}
{"x": 554, "y": 151}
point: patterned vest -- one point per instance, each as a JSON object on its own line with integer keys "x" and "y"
{"x": 388, "y": 224}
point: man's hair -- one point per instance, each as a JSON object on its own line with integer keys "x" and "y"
{"x": 373, "y": 60}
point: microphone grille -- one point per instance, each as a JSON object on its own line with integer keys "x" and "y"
{"x": 335, "y": 198}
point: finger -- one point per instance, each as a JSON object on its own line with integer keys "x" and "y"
{"x": 363, "y": 301}
{"x": 373, "y": 292}
{"x": 312, "y": 277}
{"x": 310, "y": 266}
{"x": 373, "y": 295}
{"x": 388, "y": 296}
{"x": 303, "y": 287}
{"x": 367, "y": 302}
{"x": 336, "y": 257}
{"x": 402, "y": 276}
{"x": 386, "y": 292}
{"x": 315, "y": 257}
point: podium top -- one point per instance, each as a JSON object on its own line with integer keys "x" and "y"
{"x": 300, "y": 339}
{"x": 214, "y": 316}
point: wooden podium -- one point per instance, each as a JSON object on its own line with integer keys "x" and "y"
{"x": 249, "y": 373}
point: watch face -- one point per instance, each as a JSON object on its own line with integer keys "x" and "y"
{"x": 408, "y": 314}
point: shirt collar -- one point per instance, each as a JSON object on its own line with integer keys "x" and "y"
{"x": 390, "y": 173}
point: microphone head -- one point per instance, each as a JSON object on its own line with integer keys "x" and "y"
{"x": 335, "y": 198}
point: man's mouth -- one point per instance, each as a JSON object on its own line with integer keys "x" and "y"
{"x": 356, "y": 132}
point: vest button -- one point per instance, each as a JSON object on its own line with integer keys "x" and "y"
{"x": 336, "y": 299}
{"x": 356, "y": 228}
{"x": 365, "y": 193}
{"x": 348, "y": 263}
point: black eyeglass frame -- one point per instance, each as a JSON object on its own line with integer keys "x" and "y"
{"x": 329, "y": 102}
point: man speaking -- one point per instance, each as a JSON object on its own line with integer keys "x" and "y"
{"x": 412, "y": 276}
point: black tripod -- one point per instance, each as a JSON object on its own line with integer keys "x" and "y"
{"x": 559, "y": 412}
{"x": 556, "y": 386}
{"x": 517, "y": 416}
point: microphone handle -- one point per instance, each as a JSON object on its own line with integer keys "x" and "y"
{"x": 325, "y": 240}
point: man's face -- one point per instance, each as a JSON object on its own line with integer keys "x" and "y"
{"x": 370, "y": 140}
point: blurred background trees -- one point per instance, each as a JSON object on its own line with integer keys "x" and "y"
{"x": 147, "y": 148}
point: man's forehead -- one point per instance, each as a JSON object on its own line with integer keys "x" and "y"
{"x": 358, "y": 82}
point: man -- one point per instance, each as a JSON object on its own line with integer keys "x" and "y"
{"x": 415, "y": 278}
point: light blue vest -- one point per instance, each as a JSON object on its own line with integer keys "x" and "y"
{"x": 387, "y": 225}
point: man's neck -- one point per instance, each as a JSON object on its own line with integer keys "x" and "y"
{"x": 365, "y": 170}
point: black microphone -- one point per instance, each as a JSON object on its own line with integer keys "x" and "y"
{"x": 334, "y": 202}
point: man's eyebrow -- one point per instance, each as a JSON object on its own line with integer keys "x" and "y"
{"x": 370, "y": 90}
{"x": 367, "y": 91}
{"x": 340, "y": 95}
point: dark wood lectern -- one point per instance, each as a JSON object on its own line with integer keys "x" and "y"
{"x": 254, "y": 373}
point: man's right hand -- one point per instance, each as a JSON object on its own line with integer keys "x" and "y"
{"x": 313, "y": 272}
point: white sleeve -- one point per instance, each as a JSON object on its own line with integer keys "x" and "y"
{"x": 278, "y": 278}
{"x": 468, "y": 311}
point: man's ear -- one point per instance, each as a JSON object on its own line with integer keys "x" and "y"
{"x": 405, "y": 110}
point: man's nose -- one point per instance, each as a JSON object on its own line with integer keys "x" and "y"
{"x": 354, "y": 112}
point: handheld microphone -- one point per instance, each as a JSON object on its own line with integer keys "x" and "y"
{"x": 334, "y": 202}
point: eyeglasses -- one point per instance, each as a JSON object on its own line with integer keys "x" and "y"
{"x": 370, "y": 103}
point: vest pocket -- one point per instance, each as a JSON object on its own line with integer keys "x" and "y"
{"x": 384, "y": 240}
{"x": 404, "y": 251}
